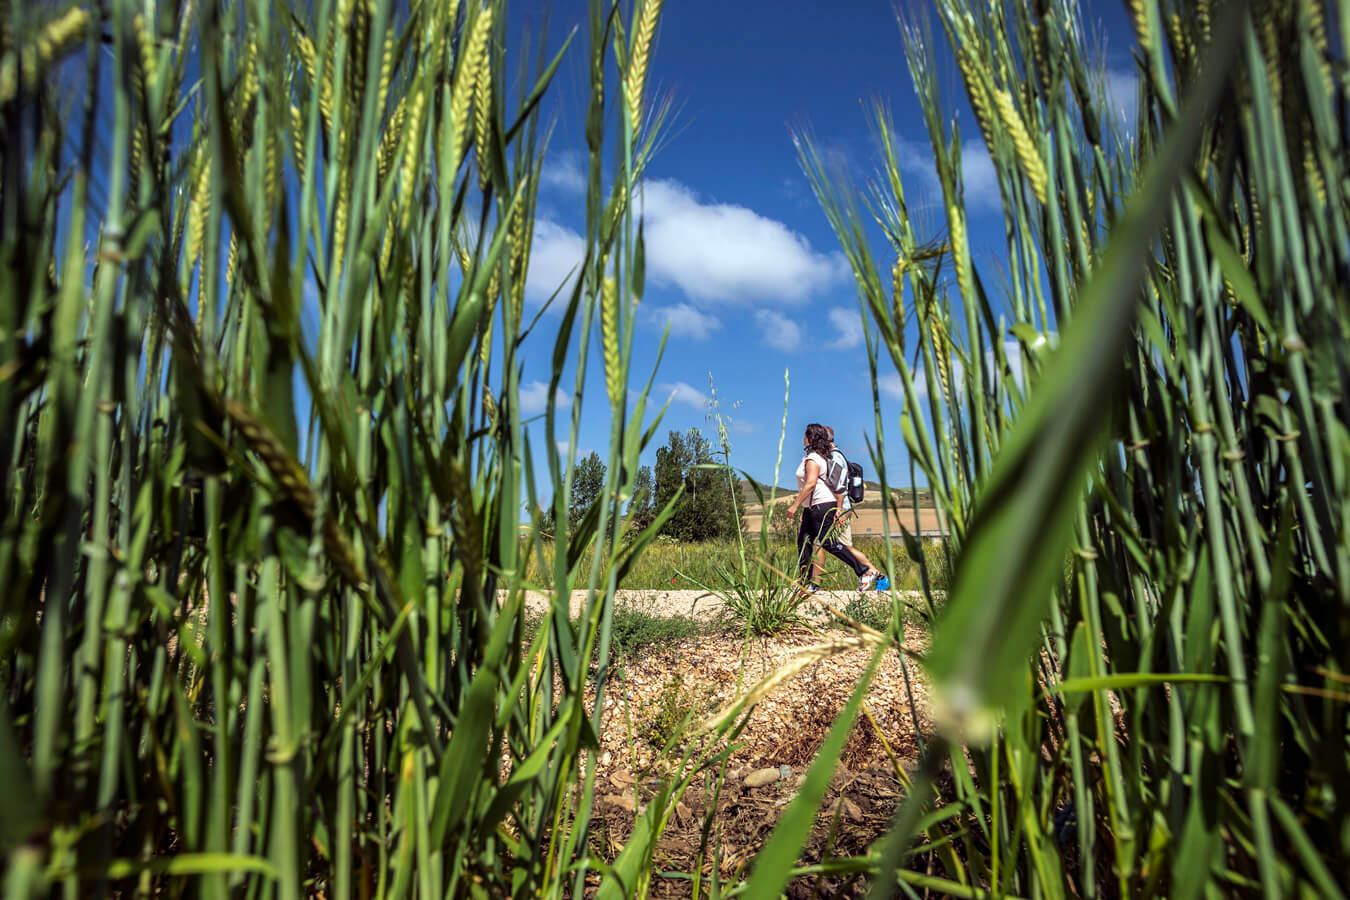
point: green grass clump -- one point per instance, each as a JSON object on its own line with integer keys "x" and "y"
{"x": 637, "y": 630}
{"x": 874, "y": 610}
{"x": 672, "y": 565}
{"x": 762, "y": 606}
{"x": 633, "y": 630}
{"x": 665, "y": 718}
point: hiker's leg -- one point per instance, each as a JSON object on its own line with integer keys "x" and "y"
{"x": 862, "y": 557}
{"x": 847, "y": 540}
{"x": 814, "y": 528}
{"x": 831, "y": 543}
{"x": 804, "y": 547}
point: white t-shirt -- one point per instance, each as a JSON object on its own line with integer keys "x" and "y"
{"x": 820, "y": 493}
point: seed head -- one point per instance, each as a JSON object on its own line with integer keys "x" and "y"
{"x": 466, "y": 79}
{"x": 198, "y": 207}
{"x": 1317, "y": 30}
{"x": 609, "y": 334}
{"x": 636, "y": 77}
{"x": 1316, "y": 183}
{"x": 1143, "y": 33}
{"x": 52, "y": 41}
{"x": 1027, "y": 153}
{"x": 961, "y": 251}
{"x": 482, "y": 107}
{"x": 979, "y": 98}
{"x": 411, "y": 154}
{"x": 147, "y": 48}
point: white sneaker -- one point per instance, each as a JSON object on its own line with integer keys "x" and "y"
{"x": 866, "y": 582}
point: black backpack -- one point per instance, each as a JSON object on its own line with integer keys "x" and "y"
{"x": 847, "y": 478}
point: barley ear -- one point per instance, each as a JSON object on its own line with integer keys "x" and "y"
{"x": 462, "y": 90}
{"x": 635, "y": 79}
{"x": 1317, "y": 30}
{"x": 979, "y": 97}
{"x": 56, "y": 38}
{"x": 1143, "y": 25}
{"x": 411, "y": 156}
{"x": 965, "y": 281}
{"x": 609, "y": 333}
{"x": 519, "y": 243}
{"x": 146, "y": 44}
{"x": 1027, "y": 154}
{"x": 482, "y": 108}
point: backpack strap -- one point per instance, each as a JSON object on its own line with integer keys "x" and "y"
{"x": 836, "y": 475}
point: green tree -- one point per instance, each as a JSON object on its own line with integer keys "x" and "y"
{"x": 705, "y": 511}
{"x": 588, "y": 483}
{"x": 643, "y": 507}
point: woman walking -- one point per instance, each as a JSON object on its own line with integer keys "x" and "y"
{"x": 819, "y": 507}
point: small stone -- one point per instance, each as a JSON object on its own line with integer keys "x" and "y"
{"x": 761, "y": 777}
{"x": 605, "y": 758}
{"x": 625, "y": 801}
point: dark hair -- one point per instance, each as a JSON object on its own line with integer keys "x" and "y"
{"x": 818, "y": 439}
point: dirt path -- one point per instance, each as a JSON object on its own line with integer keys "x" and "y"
{"x": 869, "y": 522}
{"x": 653, "y": 696}
{"x": 699, "y": 605}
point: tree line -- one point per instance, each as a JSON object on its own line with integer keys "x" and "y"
{"x": 704, "y": 510}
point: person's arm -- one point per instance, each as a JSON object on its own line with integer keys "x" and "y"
{"x": 812, "y": 469}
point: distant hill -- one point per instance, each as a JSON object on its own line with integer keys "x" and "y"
{"x": 871, "y": 495}
{"x": 748, "y": 497}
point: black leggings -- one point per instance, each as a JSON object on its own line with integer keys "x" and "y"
{"x": 816, "y": 523}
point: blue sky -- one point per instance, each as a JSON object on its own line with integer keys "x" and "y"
{"x": 742, "y": 264}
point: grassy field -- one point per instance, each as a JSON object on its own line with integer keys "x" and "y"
{"x": 675, "y": 566}
{"x": 901, "y": 497}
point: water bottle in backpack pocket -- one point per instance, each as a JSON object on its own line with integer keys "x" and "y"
{"x": 855, "y": 483}
{"x": 844, "y": 477}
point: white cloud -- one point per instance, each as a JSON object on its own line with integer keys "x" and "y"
{"x": 534, "y": 398}
{"x": 679, "y": 392}
{"x": 978, "y": 176}
{"x": 684, "y": 320}
{"x": 891, "y": 386}
{"x": 712, "y": 252}
{"x": 565, "y": 174}
{"x": 721, "y": 251}
{"x": 556, "y": 253}
{"x": 1012, "y": 351}
{"x": 778, "y": 331}
{"x": 849, "y": 326}
{"x": 977, "y": 173}
{"x": 582, "y": 452}
{"x": 1121, "y": 94}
